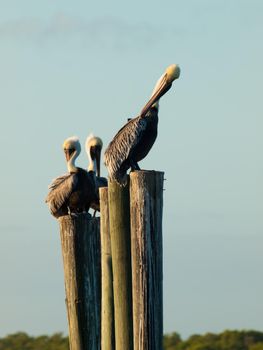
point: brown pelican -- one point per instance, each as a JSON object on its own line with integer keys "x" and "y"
{"x": 75, "y": 191}
{"x": 135, "y": 139}
{"x": 93, "y": 148}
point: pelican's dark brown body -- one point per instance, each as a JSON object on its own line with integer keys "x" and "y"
{"x": 145, "y": 143}
{"x": 84, "y": 195}
{"x": 131, "y": 144}
{"x": 134, "y": 140}
{"x": 148, "y": 138}
{"x": 74, "y": 192}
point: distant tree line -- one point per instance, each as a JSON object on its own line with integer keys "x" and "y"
{"x": 228, "y": 340}
{"x": 22, "y": 341}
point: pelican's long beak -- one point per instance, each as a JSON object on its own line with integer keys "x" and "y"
{"x": 97, "y": 157}
{"x": 162, "y": 86}
{"x": 68, "y": 153}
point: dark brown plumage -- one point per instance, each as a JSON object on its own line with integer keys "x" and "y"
{"x": 134, "y": 140}
{"x": 75, "y": 191}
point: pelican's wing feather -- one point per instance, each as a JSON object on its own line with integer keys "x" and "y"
{"x": 60, "y": 190}
{"x": 123, "y": 144}
{"x": 57, "y": 181}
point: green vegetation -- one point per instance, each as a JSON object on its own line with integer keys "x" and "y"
{"x": 22, "y": 341}
{"x": 228, "y": 340}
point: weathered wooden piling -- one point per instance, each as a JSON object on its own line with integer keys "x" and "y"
{"x": 107, "y": 304}
{"x": 146, "y": 204}
{"x": 80, "y": 241}
{"x": 119, "y": 215}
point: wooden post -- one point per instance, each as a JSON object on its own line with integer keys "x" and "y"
{"x": 119, "y": 213}
{"x": 107, "y": 306}
{"x": 146, "y": 204}
{"x": 80, "y": 241}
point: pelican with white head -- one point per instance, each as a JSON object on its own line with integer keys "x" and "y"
{"x": 134, "y": 140}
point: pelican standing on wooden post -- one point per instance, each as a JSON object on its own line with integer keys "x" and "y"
{"x": 135, "y": 139}
{"x": 93, "y": 147}
{"x": 72, "y": 193}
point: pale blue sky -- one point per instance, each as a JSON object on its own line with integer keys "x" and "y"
{"x": 71, "y": 68}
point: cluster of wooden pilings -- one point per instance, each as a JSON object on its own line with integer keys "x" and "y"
{"x": 113, "y": 268}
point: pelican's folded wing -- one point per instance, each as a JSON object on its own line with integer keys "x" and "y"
{"x": 123, "y": 144}
{"x": 60, "y": 190}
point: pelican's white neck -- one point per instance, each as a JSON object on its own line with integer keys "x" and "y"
{"x": 71, "y": 163}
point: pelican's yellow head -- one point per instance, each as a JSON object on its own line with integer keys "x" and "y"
{"x": 70, "y": 146}
{"x": 93, "y": 141}
{"x": 162, "y": 86}
{"x": 93, "y": 148}
{"x": 172, "y": 72}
